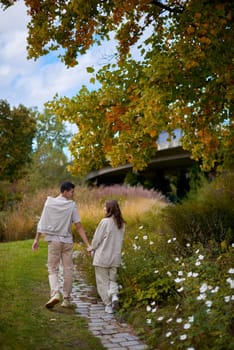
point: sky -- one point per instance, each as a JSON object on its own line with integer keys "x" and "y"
{"x": 33, "y": 83}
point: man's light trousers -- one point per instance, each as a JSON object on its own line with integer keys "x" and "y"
{"x": 57, "y": 252}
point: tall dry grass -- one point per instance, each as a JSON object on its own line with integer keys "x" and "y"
{"x": 21, "y": 222}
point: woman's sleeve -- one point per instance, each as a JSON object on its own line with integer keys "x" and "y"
{"x": 99, "y": 234}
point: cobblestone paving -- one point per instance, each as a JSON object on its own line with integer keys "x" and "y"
{"x": 113, "y": 334}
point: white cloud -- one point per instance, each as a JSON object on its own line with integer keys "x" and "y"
{"x": 33, "y": 83}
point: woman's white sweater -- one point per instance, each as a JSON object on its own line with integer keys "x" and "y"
{"x": 107, "y": 243}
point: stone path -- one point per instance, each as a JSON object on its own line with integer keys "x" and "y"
{"x": 113, "y": 334}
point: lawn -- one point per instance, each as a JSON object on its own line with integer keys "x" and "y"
{"x": 25, "y": 323}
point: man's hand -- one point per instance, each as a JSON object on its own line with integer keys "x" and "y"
{"x": 35, "y": 245}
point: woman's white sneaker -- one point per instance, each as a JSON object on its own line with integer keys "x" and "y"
{"x": 115, "y": 303}
{"x": 109, "y": 309}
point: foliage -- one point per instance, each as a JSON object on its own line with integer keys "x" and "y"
{"x": 142, "y": 259}
{"x": 49, "y": 160}
{"x": 183, "y": 78}
{"x": 17, "y": 129}
{"x": 10, "y": 194}
{"x": 24, "y": 321}
{"x": 207, "y": 214}
{"x": 201, "y": 317}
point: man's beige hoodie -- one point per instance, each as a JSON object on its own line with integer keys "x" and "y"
{"x": 56, "y": 217}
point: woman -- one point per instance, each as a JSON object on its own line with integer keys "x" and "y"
{"x": 107, "y": 246}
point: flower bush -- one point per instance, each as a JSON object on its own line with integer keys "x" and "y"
{"x": 201, "y": 315}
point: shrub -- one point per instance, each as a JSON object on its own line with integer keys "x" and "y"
{"x": 201, "y": 316}
{"x": 206, "y": 215}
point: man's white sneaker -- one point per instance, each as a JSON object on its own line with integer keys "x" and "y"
{"x": 109, "y": 309}
{"x": 115, "y": 303}
{"x": 55, "y": 299}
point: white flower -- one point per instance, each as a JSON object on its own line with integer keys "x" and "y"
{"x": 231, "y": 282}
{"x": 153, "y": 303}
{"x": 190, "y": 348}
{"x": 134, "y": 246}
{"x": 201, "y": 296}
{"x": 232, "y": 245}
{"x": 203, "y": 288}
{"x": 191, "y": 319}
{"x": 141, "y": 227}
{"x": 187, "y": 325}
{"x": 149, "y": 320}
{"x": 169, "y": 320}
{"x": 200, "y": 257}
{"x": 160, "y": 318}
{"x": 174, "y": 238}
{"x": 183, "y": 337}
{"x": 155, "y": 309}
{"x": 215, "y": 290}
{"x": 136, "y": 237}
{"x": 208, "y": 303}
{"x": 148, "y": 308}
{"x": 179, "y": 320}
{"x": 189, "y": 274}
{"x": 197, "y": 251}
{"x": 180, "y": 273}
{"x": 232, "y": 297}
{"x": 177, "y": 259}
{"x": 180, "y": 289}
{"x": 169, "y": 273}
{"x": 145, "y": 237}
{"x": 197, "y": 263}
{"x": 168, "y": 334}
{"x": 231, "y": 271}
{"x": 227, "y": 299}
{"x": 188, "y": 245}
{"x": 169, "y": 241}
{"x": 178, "y": 280}
{"x": 195, "y": 274}
{"x": 151, "y": 242}
{"x": 155, "y": 271}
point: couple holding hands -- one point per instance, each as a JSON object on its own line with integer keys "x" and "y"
{"x": 58, "y": 216}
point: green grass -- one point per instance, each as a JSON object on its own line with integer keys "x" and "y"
{"x": 25, "y": 323}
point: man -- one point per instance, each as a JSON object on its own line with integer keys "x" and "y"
{"x": 58, "y": 215}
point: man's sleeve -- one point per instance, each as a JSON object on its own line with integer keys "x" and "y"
{"x": 75, "y": 215}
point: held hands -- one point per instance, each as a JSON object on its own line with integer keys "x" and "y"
{"x": 90, "y": 250}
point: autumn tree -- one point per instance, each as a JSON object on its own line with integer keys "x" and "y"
{"x": 17, "y": 129}
{"x": 183, "y": 78}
